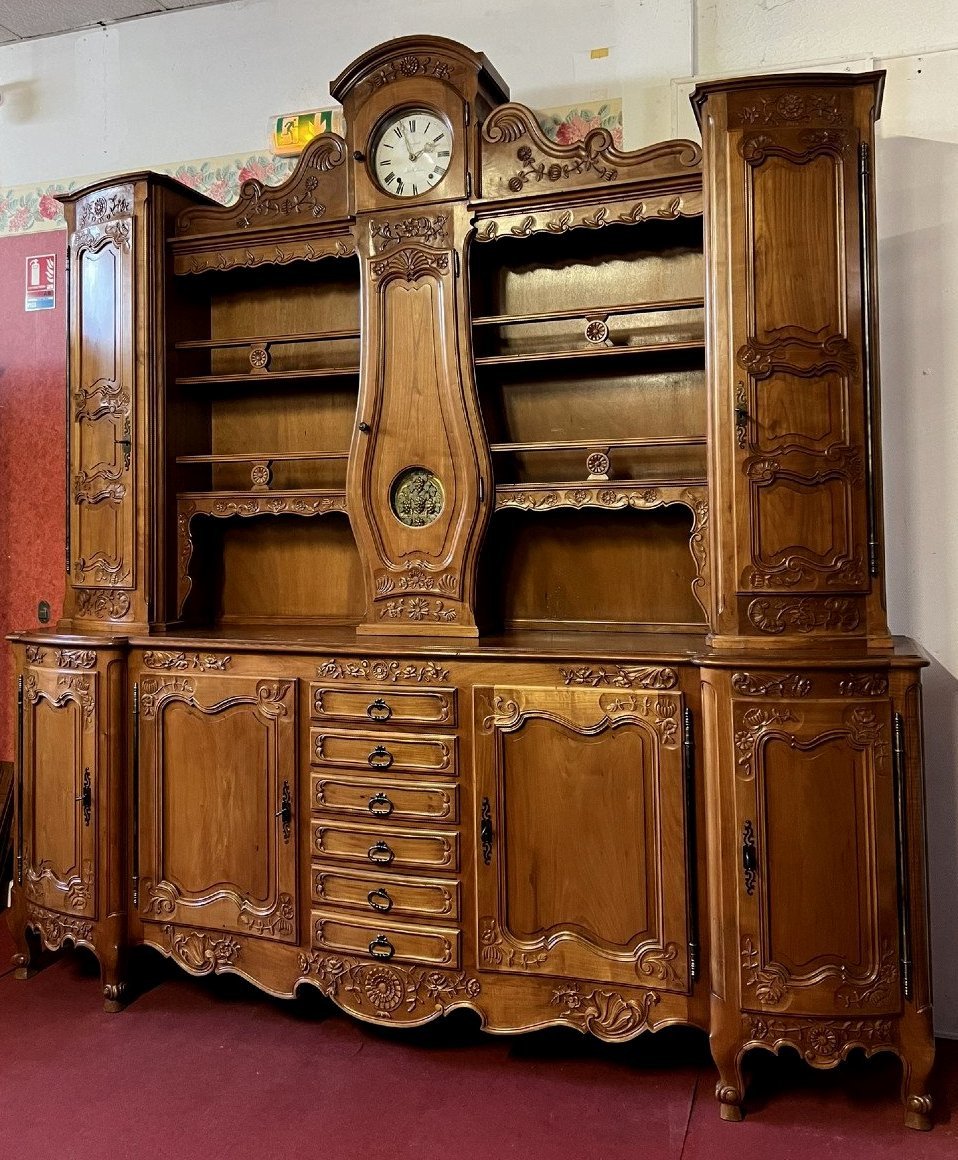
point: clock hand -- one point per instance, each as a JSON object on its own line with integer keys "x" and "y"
{"x": 406, "y": 141}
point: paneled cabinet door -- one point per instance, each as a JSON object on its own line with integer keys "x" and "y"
{"x": 582, "y": 851}
{"x": 216, "y": 782}
{"x": 59, "y": 789}
{"x": 817, "y": 878}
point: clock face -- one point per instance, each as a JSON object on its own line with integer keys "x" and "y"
{"x": 411, "y": 152}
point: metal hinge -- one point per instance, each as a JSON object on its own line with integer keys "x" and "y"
{"x": 901, "y": 826}
{"x": 135, "y": 838}
{"x": 691, "y": 864}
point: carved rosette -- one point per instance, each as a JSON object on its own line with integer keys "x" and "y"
{"x": 622, "y": 676}
{"x": 384, "y": 671}
{"x": 102, "y": 604}
{"x": 206, "y": 662}
{"x": 418, "y": 610}
{"x": 387, "y": 991}
{"x": 754, "y": 725}
{"x": 789, "y": 685}
{"x": 777, "y": 615}
{"x": 75, "y": 658}
{"x": 822, "y": 1042}
{"x": 604, "y": 1013}
{"x": 863, "y": 685}
{"x": 200, "y": 952}
{"x": 56, "y": 929}
{"x": 276, "y": 923}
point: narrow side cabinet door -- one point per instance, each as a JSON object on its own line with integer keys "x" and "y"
{"x": 582, "y": 846}
{"x": 60, "y": 786}
{"x": 217, "y": 795}
{"x": 817, "y": 883}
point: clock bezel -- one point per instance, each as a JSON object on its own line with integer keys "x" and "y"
{"x": 384, "y": 124}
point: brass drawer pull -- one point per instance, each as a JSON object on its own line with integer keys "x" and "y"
{"x": 379, "y": 710}
{"x": 380, "y": 806}
{"x": 380, "y": 854}
{"x": 380, "y": 900}
{"x": 380, "y": 758}
{"x": 381, "y": 947}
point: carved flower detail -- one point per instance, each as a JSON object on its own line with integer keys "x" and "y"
{"x": 418, "y": 608}
{"x": 567, "y": 997}
{"x": 409, "y": 65}
{"x": 759, "y": 1029}
{"x": 473, "y": 987}
{"x": 383, "y": 988}
{"x": 524, "y": 154}
{"x": 823, "y": 1040}
{"x": 791, "y": 107}
{"x": 554, "y": 172}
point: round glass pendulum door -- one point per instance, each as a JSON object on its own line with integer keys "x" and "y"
{"x": 416, "y": 497}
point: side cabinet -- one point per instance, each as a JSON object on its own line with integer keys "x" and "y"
{"x": 808, "y": 801}
{"x": 68, "y": 875}
{"x": 216, "y": 789}
{"x": 583, "y": 859}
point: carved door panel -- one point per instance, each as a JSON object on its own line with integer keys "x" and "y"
{"x": 216, "y": 781}
{"x": 815, "y": 815}
{"x": 800, "y": 439}
{"x": 102, "y": 361}
{"x": 420, "y": 480}
{"x": 583, "y": 857}
{"x": 60, "y": 788}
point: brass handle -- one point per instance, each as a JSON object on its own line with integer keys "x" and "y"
{"x": 380, "y": 854}
{"x": 380, "y": 758}
{"x": 381, "y": 947}
{"x": 86, "y": 797}
{"x": 379, "y": 710}
{"x": 380, "y": 806}
{"x": 385, "y": 903}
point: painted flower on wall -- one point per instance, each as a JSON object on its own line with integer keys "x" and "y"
{"x": 572, "y": 125}
{"x": 49, "y": 208}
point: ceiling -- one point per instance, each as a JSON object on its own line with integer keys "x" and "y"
{"x": 26, "y": 19}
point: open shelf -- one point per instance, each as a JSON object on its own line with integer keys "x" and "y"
{"x": 265, "y": 340}
{"x": 261, "y": 378}
{"x": 262, "y": 457}
{"x": 604, "y": 311}
{"x": 599, "y": 444}
{"x": 593, "y": 352}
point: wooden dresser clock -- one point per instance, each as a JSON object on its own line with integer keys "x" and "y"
{"x": 476, "y": 581}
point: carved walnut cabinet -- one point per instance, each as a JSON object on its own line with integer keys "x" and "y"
{"x": 476, "y": 581}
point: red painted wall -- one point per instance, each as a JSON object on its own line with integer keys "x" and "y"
{"x": 32, "y": 452}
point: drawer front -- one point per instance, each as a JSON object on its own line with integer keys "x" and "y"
{"x": 376, "y": 751}
{"x": 375, "y": 798}
{"x": 433, "y": 945}
{"x": 379, "y": 706}
{"x": 382, "y": 894}
{"x": 387, "y": 848}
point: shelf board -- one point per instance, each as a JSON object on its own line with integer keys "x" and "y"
{"x": 265, "y": 340}
{"x": 264, "y": 457}
{"x": 595, "y": 352}
{"x": 263, "y": 377}
{"x": 303, "y": 501}
{"x": 585, "y": 312}
{"x": 607, "y": 495}
{"x": 599, "y": 444}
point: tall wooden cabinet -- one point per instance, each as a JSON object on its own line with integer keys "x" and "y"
{"x": 476, "y": 592}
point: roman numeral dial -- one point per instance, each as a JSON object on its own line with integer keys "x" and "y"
{"x": 411, "y": 152}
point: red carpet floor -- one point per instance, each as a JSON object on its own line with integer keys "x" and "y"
{"x": 211, "y": 1069}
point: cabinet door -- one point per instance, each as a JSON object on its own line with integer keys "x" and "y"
{"x": 60, "y": 788}
{"x": 815, "y": 811}
{"x": 216, "y": 778}
{"x": 582, "y": 866}
{"x": 102, "y": 359}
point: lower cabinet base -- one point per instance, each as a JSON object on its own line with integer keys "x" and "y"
{"x": 409, "y": 995}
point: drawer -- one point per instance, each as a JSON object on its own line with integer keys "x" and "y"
{"x": 385, "y": 847}
{"x": 433, "y": 945}
{"x": 399, "y": 706}
{"x": 376, "y": 751}
{"x": 374, "y": 797}
{"x": 401, "y": 897}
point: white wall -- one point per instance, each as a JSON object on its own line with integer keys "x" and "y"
{"x": 204, "y": 83}
{"x": 916, "y": 176}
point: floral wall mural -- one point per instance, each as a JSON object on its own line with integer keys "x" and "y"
{"x": 32, "y": 209}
